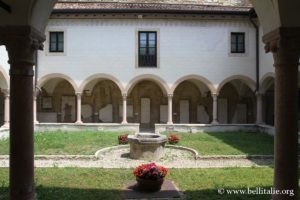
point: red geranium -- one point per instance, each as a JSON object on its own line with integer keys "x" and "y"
{"x": 123, "y": 139}
{"x": 173, "y": 139}
{"x": 150, "y": 171}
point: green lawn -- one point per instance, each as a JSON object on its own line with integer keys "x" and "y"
{"x": 81, "y": 183}
{"x": 72, "y": 143}
{"x": 228, "y": 143}
{"x": 87, "y": 143}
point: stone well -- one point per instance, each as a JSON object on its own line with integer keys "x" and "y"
{"x": 147, "y": 146}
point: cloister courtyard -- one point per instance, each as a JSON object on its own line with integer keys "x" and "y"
{"x": 204, "y": 165}
{"x": 149, "y": 99}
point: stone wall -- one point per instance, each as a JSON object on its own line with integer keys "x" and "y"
{"x": 147, "y": 90}
{"x": 62, "y": 94}
{"x": 45, "y": 127}
{"x": 234, "y": 99}
{"x": 105, "y": 98}
{"x": 187, "y": 91}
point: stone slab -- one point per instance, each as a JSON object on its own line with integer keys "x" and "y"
{"x": 105, "y": 114}
{"x": 184, "y": 107}
{"x": 168, "y": 191}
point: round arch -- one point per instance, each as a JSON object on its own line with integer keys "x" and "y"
{"x": 101, "y": 76}
{"x": 159, "y": 81}
{"x": 248, "y": 81}
{"x": 6, "y": 77}
{"x": 203, "y": 80}
{"x": 48, "y": 77}
{"x": 264, "y": 82}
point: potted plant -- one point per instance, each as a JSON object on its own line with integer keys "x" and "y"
{"x": 123, "y": 139}
{"x": 173, "y": 139}
{"x": 150, "y": 177}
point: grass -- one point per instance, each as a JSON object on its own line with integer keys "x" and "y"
{"x": 68, "y": 143}
{"x": 81, "y": 183}
{"x": 87, "y": 143}
{"x": 228, "y": 143}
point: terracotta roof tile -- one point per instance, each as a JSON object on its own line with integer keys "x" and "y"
{"x": 143, "y": 7}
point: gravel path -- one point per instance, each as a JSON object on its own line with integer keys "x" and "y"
{"x": 119, "y": 158}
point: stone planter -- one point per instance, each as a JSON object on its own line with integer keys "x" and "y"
{"x": 148, "y": 185}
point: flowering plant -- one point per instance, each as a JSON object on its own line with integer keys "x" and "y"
{"x": 123, "y": 139}
{"x": 173, "y": 139}
{"x": 150, "y": 171}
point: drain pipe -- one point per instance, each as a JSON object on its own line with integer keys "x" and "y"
{"x": 252, "y": 14}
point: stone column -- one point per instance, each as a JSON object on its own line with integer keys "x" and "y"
{"x": 215, "y": 108}
{"x": 124, "y": 96}
{"x": 6, "y": 109}
{"x": 21, "y": 44}
{"x": 35, "y": 94}
{"x": 259, "y": 110}
{"x": 170, "y": 112}
{"x": 78, "y": 121}
{"x": 284, "y": 43}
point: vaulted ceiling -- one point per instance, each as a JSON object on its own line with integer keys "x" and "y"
{"x": 26, "y": 12}
{"x": 277, "y": 13}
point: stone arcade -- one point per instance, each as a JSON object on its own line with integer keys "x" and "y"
{"x": 193, "y": 45}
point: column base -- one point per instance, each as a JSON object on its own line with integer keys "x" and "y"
{"x": 169, "y": 123}
{"x": 124, "y": 122}
{"x": 214, "y": 122}
{"x": 260, "y": 123}
{"x": 36, "y": 122}
{"x": 78, "y": 122}
{"x": 5, "y": 125}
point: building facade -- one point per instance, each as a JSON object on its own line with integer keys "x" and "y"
{"x": 150, "y": 63}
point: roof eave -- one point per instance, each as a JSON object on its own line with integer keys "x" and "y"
{"x": 150, "y": 11}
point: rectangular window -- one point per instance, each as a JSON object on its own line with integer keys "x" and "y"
{"x": 237, "y": 42}
{"x": 56, "y": 43}
{"x": 147, "y": 49}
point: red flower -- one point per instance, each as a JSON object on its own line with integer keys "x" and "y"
{"x": 173, "y": 139}
{"x": 150, "y": 171}
{"x": 123, "y": 139}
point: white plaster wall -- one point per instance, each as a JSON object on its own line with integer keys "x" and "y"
{"x": 186, "y": 47}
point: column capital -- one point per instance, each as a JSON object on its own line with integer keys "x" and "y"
{"x": 21, "y": 43}
{"x": 284, "y": 43}
{"x": 259, "y": 94}
{"x": 124, "y": 96}
{"x": 170, "y": 95}
{"x": 78, "y": 94}
{"x": 214, "y": 95}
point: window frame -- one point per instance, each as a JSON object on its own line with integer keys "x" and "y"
{"x": 139, "y": 32}
{"x": 237, "y": 43}
{"x": 57, "y": 42}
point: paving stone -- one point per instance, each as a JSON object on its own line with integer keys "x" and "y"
{"x": 168, "y": 191}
